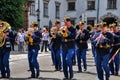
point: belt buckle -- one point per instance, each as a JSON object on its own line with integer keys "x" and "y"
{"x": 81, "y": 41}
{"x": 101, "y": 46}
{"x": 66, "y": 40}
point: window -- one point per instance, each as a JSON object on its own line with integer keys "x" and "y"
{"x": 32, "y": 9}
{"x": 45, "y": 10}
{"x": 71, "y": 6}
{"x": 90, "y": 21}
{"x": 91, "y": 5}
{"x": 111, "y": 4}
{"x": 57, "y": 11}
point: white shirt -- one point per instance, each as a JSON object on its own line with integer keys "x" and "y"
{"x": 20, "y": 37}
{"x": 45, "y": 36}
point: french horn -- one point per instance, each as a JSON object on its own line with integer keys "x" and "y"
{"x": 89, "y": 28}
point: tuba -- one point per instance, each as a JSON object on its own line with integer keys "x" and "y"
{"x": 4, "y": 27}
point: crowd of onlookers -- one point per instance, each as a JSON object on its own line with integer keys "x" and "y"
{"x": 19, "y": 39}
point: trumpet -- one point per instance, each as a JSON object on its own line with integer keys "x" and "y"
{"x": 64, "y": 31}
{"x": 53, "y": 35}
{"x": 53, "y": 32}
{"x": 29, "y": 38}
{"x": 80, "y": 32}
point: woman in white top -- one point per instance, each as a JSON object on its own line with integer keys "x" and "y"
{"x": 45, "y": 38}
{"x": 20, "y": 40}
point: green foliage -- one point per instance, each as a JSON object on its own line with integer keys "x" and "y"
{"x": 12, "y": 11}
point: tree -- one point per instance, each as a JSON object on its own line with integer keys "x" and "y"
{"x": 12, "y": 11}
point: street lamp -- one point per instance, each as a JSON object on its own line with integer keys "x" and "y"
{"x": 98, "y": 3}
{"x": 38, "y": 14}
{"x": 50, "y": 24}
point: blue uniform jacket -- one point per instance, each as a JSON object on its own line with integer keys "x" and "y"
{"x": 81, "y": 40}
{"x": 94, "y": 36}
{"x": 36, "y": 41}
{"x": 102, "y": 42}
{"x": 70, "y": 43}
{"x": 56, "y": 42}
{"x": 6, "y": 46}
{"x": 116, "y": 43}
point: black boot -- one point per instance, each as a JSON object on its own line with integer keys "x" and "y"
{"x": 116, "y": 74}
{"x": 37, "y": 74}
{"x": 85, "y": 69}
{"x": 71, "y": 76}
{"x": 107, "y": 78}
{"x": 8, "y": 75}
{"x": 3, "y": 75}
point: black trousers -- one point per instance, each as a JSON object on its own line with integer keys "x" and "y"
{"x": 12, "y": 45}
{"x": 44, "y": 45}
{"x": 2, "y": 66}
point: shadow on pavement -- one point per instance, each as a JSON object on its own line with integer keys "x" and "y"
{"x": 41, "y": 78}
{"x": 18, "y": 52}
{"x": 87, "y": 72}
{"x": 47, "y": 71}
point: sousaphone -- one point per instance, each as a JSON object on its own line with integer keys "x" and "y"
{"x": 4, "y": 27}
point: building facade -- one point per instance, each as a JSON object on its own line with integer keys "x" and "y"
{"x": 90, "y": 11}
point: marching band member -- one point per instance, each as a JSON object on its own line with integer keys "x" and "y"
{"x": 1, "y": 58}
{"x": 82, "y": 45}
{"x": 111, "y": 27}
{"x": 33, "y": 48}
{"x": 76, "y": 48}
{"x": 114, "y": 64}
{"x": 102, "y": 46}
{"x": 5, "y": 48}
{"x": 56, "y": 44}
{"x": 68, "y": 45}
{"x": 52, "y": 36}
{"x": 96, "y": 32}
{"x": 57, "y": 47}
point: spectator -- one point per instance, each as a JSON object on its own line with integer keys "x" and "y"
{"x": 45, "y": 37}
{"x": 12, "y": 40}
{"x": 20, "y": 40}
